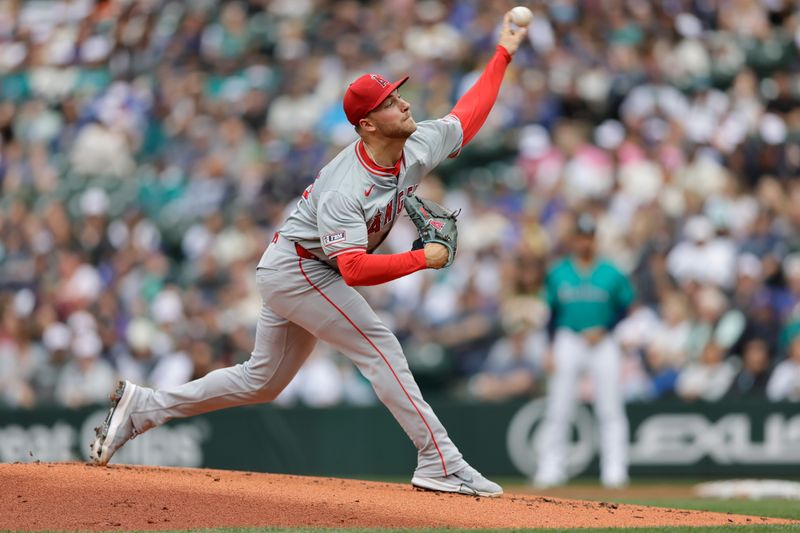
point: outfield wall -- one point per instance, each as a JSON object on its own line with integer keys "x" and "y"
{"x": 732, "y": 438}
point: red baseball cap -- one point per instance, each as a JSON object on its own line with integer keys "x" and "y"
{"x": 365, "y": 94}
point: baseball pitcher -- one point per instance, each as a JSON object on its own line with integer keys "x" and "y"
{"x": 587, "y": 297}
{"x": 307, "y": 273}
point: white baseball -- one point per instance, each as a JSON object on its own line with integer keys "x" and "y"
{"x": 521, "y": 16}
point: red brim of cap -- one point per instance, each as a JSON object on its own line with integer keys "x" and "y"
{"x": 387, "y": 91}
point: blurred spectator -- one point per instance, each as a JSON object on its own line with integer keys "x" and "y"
{"x": 136, "y": 362}
{"x": 21, "y": 358}
{"x": 708, "y": 378}
{"x": 469, "y": 333}
{"x": 318, "y": 383}
{"x": 751, "y": 381}
{"x": 666, "y": 353}
{"x": 715, "y": 322}
{"x": 784, "y": 383}
{"x": 100, "y": 149}
{"x": 57, "y": 339}
{"x": 87, "y": 378}
{"x": 764, "y": 242}
{"x": 788, "y": 297}
{"x": 651, "y": 276}
{"x": 147, "y": 149}
{"x": 702, "y": 257}
{"x": 80, "y": 283}
{"x": 327, "y": 379}
{"x": 514, "y": 365}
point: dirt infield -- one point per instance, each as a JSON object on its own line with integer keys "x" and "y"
{"x": 76, "y": 496}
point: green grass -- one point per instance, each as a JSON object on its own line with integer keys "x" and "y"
{"x": 773, "y": 508}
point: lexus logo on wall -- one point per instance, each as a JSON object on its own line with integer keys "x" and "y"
{"x": 524, "y": 438}
{"x": 666, "y": 439}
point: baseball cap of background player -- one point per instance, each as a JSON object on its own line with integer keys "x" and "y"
{"x": 365, "y": 94}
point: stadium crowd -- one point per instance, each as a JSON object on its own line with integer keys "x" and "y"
{"x": 149, "y": 149}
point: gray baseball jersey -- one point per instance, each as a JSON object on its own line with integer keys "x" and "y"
{"x": 352, "y": 204}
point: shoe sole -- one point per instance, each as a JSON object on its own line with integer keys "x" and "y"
{"x": 105, "y": 432}
{"x": 438, "y": 486}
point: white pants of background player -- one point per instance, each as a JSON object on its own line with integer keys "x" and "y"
{"x": 572, "y": 354}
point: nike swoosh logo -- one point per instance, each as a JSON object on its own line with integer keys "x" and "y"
{"x": 369, "y": 191}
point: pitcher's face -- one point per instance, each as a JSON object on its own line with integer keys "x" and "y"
{"x": 392, "y": 118}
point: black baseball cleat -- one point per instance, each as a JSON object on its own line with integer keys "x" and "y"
{"x": 117, "y": 429}
{"x": 467, "y": 481}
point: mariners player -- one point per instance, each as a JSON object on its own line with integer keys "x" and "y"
{"x": 307, "y": 273}
{"x": 587, "y": 296}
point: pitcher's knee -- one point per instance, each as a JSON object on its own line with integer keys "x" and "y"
{"x": 267, "y": 393}
{"x": 262, "y": 386}
{"x": 265, "y": 390}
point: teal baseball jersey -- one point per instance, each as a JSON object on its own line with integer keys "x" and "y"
{"x": 586, "y": 299}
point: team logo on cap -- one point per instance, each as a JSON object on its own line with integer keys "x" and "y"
{"x": 382, "y": 82}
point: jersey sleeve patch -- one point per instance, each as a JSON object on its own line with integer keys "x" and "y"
{"x": 340, "y": 221}
{"x": 333, "y": 238}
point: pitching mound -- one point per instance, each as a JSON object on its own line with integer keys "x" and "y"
{"x": 82, "y": 497}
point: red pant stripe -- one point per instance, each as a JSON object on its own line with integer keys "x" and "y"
{"x": 300, "y": 263}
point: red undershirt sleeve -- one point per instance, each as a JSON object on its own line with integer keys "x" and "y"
{"x": 359, "y": 268}
{"x": 473, "y": 108}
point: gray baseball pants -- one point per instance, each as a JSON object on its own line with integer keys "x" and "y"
{"x": 304, "y": 300}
